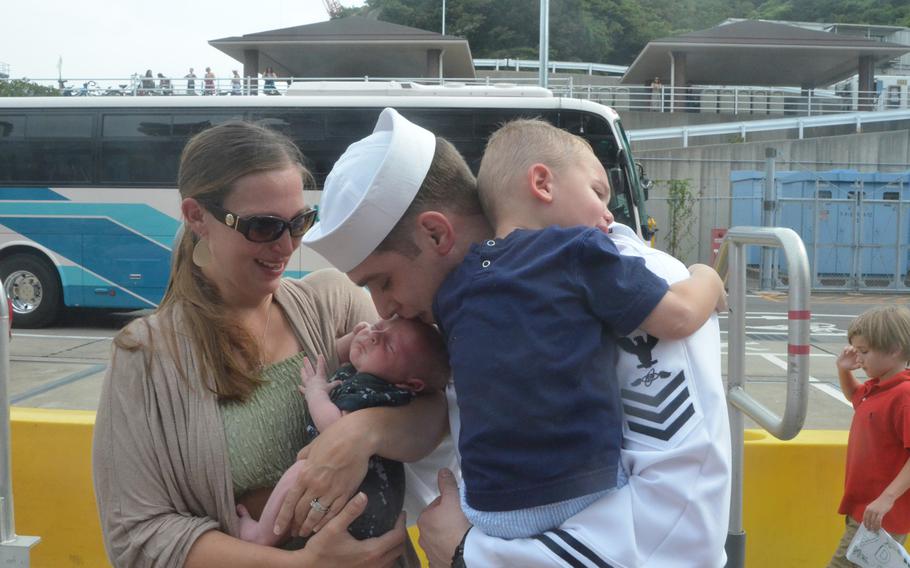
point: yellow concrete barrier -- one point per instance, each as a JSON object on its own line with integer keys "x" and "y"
{"x": 52, "y": 487}
{"x": 791, "y": 492}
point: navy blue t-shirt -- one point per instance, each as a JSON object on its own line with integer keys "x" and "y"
{"x": 530, "y": 322}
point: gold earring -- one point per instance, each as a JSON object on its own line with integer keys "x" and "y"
{"x": 202, "y": 254}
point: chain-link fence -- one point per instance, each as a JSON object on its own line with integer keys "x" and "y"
{"x": 855, "y": 225}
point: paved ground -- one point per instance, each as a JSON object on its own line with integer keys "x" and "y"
{"x": 62, "y": 366}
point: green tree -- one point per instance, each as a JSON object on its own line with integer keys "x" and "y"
{"x": 25, "y": 88}
{"x": 883, "y": 12}
{"x": 610, "y": 31}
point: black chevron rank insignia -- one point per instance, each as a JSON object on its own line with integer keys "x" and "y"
{"x": 658, "y": 416}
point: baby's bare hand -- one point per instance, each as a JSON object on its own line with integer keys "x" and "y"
{"x": 310, "y": 377}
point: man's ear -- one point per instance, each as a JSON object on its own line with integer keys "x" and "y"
{"x": 413, "y": 384}
{"x": 436, "y": 229}
{"x": 194, "y": 213}
{"x": 540, "y": 182}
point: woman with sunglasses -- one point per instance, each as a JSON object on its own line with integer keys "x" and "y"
{"x": 199, "y": 411}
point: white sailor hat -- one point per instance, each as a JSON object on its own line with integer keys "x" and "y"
{"x": 369, "y": 189}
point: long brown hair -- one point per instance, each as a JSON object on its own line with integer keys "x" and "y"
{"x": 211, "y": 163}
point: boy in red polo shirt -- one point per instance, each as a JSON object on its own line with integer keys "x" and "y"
{"x": 878, "y": 470}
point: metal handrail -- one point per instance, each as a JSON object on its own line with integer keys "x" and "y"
{"x": 732, "y": 261}
{"x": 14, "y": 549}
{"x": 703, "y": 99}
{"x": 798, "y": 314}
{"x": 743, "y": 128}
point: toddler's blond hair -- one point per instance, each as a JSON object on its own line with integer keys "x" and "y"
{"x": 513, "y": 149}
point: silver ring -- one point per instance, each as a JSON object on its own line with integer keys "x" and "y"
{"x": 318, "y": 507}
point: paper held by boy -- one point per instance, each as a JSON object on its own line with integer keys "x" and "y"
{"x": 876, "y": 550}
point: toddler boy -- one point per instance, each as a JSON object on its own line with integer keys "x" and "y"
{"x": 532, "y": 320}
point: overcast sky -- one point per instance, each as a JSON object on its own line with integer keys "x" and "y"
{"x": 108, "y": 39}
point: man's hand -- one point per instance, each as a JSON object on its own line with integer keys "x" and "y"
{"x": 443, "y": 524}
{"x": 336, "y": 465}
{"x": 334, "y": 546}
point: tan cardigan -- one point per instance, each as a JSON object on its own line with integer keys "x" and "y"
{"x": 161, "y": 469}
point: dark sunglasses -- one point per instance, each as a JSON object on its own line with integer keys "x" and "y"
{"x": 264, "y": 228}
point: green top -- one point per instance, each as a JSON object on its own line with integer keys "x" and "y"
{"x": 265, "y": 433}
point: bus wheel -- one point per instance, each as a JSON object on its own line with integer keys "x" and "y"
{"x": 32, "y": 286}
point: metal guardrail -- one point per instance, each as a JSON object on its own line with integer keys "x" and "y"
{"x": 702, "y": 99}
{"x": 14, "y": 549}
{"x": 744, "y": 128}
{"x": 732, "y": 261}
{"x": 252, "y": 86}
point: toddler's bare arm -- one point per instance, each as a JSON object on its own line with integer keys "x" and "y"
{"x": 687, "y": 305}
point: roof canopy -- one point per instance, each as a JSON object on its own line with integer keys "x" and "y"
{"x": 351, "y": 47}
{"x": 759, "y": 53}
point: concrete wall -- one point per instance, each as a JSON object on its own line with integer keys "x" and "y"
{"x": 708, "y": 170}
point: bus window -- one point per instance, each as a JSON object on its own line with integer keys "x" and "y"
{"x": 186, "y": 125}
{"x": 136, "y": 125}
{"x": 453, "y": 125}
{"x": 584, "y": 124}
{"x": 139, "y": 148}
{"x": 294, "y": 124}
{"x": 637, "y": 184}
{"x": 12, "y": 127}
{"x": 57, "y": 148}
{"x": 351, "y": 123}
{"x": 59, "y": 126}
{"x": 486, "y": 122}
{"x": 12, "y": 147}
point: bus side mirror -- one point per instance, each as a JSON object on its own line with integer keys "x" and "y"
{"x": 646, "y": 183}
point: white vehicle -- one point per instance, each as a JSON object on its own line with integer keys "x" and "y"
{"x": 891, "y": 92}
{"x": 88, "y": 200}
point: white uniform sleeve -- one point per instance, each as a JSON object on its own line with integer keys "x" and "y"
{"x": 420, "y": 476}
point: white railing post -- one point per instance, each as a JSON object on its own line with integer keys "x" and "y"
{"x": 14, "y": 549}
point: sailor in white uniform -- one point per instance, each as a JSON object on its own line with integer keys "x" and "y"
{"x": 676, "y": 440}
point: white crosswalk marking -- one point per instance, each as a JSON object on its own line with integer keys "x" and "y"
{"x": 820, "y": 385}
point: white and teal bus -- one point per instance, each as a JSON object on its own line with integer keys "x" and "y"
{"x": 88, "y": 200}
